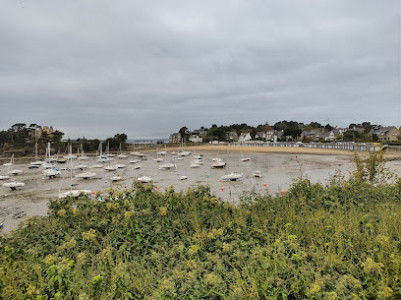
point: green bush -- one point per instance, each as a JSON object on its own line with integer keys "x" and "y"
{"x": 339, "y": 241}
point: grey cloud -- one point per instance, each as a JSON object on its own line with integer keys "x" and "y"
{"x": 95, "y": 68}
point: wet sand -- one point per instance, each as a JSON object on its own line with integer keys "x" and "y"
{"x": 279, "y": 168}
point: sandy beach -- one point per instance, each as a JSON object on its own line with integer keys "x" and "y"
{"x": 262, "y": 149}
{"x": 279, "y": 168}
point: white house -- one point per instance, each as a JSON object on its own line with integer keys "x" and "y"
{"x": 195, "y": 139}
{"x": 244, "y": 137}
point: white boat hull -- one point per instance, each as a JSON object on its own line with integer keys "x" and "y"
{"x": 145, "y": 179}
{"x": 219, "y": 165}
{"x": 51, "y": 173}
{"x": 110, "y": 168}
{"x": 13, "y": 185}
{"x": 167, "y": 166}
{"x": 74, "y": 193}
{"x": 86, "y": 175}
{"x": 232, "y": 177}
{"x": 15, "y": 172}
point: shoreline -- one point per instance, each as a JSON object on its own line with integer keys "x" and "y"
{"x": 265, "y": 149}
{"x": 227, "y": 148}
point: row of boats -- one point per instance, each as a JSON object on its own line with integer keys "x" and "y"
{"x": 105, "y": 159}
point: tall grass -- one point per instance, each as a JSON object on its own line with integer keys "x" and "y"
{"x": 340, "y": 241}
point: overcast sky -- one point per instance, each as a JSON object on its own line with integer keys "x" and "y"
{"x": 146, "y": 68}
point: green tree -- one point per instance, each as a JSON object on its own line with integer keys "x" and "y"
{"x": 183, "y": 132}
{"x": 121, "y": 138}
{"x": 56, "y": 138}
{"x": 4, "y": 137}
{"x": 19, "y": 134}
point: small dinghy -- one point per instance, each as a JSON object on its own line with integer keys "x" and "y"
{"x": 110, "y": 168}
{"x": 36, "y": 163}
{"x": 120, "y": 166}
{"x": 115, "y": 178}
{"x": 85, "y": 175}
{"x": 245, "y": 159}
{"x": 145, "y": 179}
{"x": 219, "y": 164}
{"x": 104, "y": 159}
{"x": 15, "y": 172}
{"x": 47, "y": 165}
{"x": 136, "y": 167}
{"x": 167, "y": 166}
{"x": 257, "y": 174}
{"x": 183, "y": 177}
{"x": 74, "y": 193}
{"x": 138, "y": 154}
{"x": 80, "y": 167}
{"x": 13, "y": 185}
{"x": 4, "y": 177}
{"x": 51, "y": 173}
{"x": 232, "y": 177}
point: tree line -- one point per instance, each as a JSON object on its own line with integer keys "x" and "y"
{"x": 21, "y": 137}
{"x": 288, "y": 129}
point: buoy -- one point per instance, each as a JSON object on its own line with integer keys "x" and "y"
{"x": 265, "y": 184}
{"x": 220, "y": 180}
{"x": 222, "y": 189}
{"x": 282, "y": 192}
{"x": 158, "y": 187}
{"x": 93, "y": 193}
{"x": 125, "y": 187}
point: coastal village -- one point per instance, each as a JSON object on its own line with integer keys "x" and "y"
{"x": 313, "y": 132}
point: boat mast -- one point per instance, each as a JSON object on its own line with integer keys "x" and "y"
{"x": 70, "y": 155}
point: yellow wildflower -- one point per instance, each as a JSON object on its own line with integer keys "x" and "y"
{"x": 163, "y": 210}
{"x": 49, "y": 259}
{"x": 331, "y": 296}
{"x": 371, "y": 267}
{"x": 315, "y": 288}
{"x": 68, "y": 244}
{"x": 385, "y": 293}
{"x": 81, "y": 256}
{"x": 89, "y": 235}
{"x": 193, "y": 250}
{"x": 65, "y": 264}
{"x": 212, "y": 279}
{"x": 31, "y": 290}
{"x": 226, "y": 247}
{"x": 382, "y": 240}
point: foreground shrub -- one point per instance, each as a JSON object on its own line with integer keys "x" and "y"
{"x": 321, "y": 242}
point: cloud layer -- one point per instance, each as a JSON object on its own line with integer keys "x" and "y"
{"x": 94, "y": 68}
